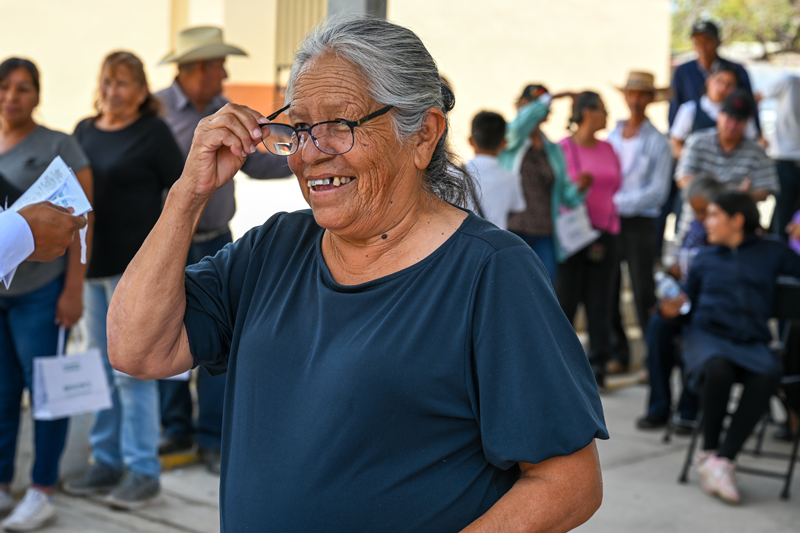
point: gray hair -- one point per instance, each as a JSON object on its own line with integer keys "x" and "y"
{"x": 703, "y": 186}
{"x": 400, "y": 72}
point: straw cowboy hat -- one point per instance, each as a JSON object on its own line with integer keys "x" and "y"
{"x": 200, "y": 43}
{"x": 644, "y": 81}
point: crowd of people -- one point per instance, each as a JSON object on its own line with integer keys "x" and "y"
{"x": 330, "y": 321}
{"x": 714, "y": 154}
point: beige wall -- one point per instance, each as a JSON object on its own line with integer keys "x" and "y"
{"x": 68, "y": 40}
{"x": 491, "y": 50}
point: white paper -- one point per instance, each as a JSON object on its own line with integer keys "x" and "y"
{"x": 57, "y": 185}
{"x": 183, "y": 376}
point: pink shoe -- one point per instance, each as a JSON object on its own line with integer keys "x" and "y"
{"x": 706, "y": 477}
{"x": 718, "y": 474}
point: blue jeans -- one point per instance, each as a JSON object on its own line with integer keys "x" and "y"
{"x": 28, "y": 330}
{"x": 126, "y": 435}
{"x": 176, "y": 400}
{"x": 661, "y": 358}
{"x": 545, "y": 249}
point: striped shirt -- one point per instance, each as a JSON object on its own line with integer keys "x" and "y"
{"x": 703, "y": 156}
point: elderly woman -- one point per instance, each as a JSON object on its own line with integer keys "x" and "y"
{"x": 394, "y": 362}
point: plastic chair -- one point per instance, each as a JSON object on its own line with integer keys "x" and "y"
{"x": 786, "y": 308}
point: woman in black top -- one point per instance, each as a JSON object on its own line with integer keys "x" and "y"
{"x": 135, "y": 160}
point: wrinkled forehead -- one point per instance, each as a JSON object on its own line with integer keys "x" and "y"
{"x": 327, "y": 85}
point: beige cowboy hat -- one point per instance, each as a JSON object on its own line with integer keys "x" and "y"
{"x": 200, "y": 43}
{"x": 645, "y": 81}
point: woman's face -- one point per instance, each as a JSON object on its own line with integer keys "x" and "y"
{"x": 120, "y": 93}
{"x": 596, "y": 119}
{"x": 384, "y": 181}
{"x": 721, "y": 227}
{"x": 18, "y": 97}
{"x": 720, "y": 85}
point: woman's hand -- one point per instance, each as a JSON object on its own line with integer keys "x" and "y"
{"x": 585, "y": 181}
{"x": 671, "y": 307}
{"x": 220, "y": 146}
{"x": 69, "y": 307}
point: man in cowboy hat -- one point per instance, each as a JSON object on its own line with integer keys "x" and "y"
{"x": 196, "y": 93}
{"x": 646, "y": 164}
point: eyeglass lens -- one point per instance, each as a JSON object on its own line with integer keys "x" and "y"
{"x": 332, "y": 138}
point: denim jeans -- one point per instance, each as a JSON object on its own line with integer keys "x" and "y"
{"x": 662, "y": 357}
{"x": 126, "y": 435}
{"x": 545, "y": 249}
{"x": 176, "y": 400}
{"x": 28, "y": 330}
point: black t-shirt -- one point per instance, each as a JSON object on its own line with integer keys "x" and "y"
{"x": 400, "y": 404}
{"x": 132, "y": 168}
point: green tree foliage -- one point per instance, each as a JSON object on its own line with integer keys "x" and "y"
{"x": 762, "y": 21}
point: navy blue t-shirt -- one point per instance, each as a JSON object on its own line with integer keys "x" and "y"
{"x": 401, "y": 404}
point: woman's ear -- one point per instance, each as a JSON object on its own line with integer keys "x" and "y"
{"x": 426, "y": 139}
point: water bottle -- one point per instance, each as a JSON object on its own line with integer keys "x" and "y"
{"x": 667, "y": 287}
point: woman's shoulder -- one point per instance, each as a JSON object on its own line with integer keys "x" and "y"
{"x": 483, "y": 234}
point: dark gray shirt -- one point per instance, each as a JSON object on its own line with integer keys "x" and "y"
{"x": 182, "y": 116}
{"x": 21, "y": 167}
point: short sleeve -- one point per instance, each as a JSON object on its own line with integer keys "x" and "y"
{"x": 536, "y": 393}
{"x": 71, "y": 152}
{"x": 682, "y": 125}
{"x": 214, "y": 288}
{"x": 168, "y": 159}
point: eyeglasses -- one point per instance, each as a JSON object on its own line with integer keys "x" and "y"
{"x": 333, "y": 137}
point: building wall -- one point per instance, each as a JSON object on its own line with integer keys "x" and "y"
{"x": 68, "y": 40}
{"x": 491, "y": 50}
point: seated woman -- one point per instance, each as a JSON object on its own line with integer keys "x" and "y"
{"x": 731, "y": 286}
{"x": 394, "y": 363}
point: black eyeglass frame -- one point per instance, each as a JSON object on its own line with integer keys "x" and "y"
{"x": 352, "y": 124}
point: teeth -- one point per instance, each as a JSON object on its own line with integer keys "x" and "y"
{"x": 337, "y": 181}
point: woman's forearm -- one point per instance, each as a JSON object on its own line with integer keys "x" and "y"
{"x": 146, "y": 337}
{"x": 558, "y": 494}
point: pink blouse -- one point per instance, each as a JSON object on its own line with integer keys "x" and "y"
{"x": 601, "y": 162}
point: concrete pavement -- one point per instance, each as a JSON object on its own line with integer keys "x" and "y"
{"x": 639, "y": 471}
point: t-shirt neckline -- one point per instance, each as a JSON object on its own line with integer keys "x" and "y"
{"x": 23, "y": 141}
{"x": 361, "y": 287}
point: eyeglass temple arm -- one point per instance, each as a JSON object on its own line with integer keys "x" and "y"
{"x": 376, "y": 114}
{"x": 276, "y": 113}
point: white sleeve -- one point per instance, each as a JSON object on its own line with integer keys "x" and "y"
{"x": 775, "y": 89}
{"x": 16, "y": 244}
{"x": 750, "y": 131}
{"x": 682, "y": 126}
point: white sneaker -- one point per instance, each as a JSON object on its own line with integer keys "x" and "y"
{"x": 34, "y": 511}
{"x": 718, "y": 477}
{"x": 6, "y": 502}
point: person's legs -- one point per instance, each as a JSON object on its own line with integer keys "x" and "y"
{"x": 786, "y": 201}
{"x": 640, "y": 256}
{"x": 661, "y": 334}
{"x": 12, "y": 383}
{"x": 661, "y": 221}
{"x": 34, "y": 334}
{"x": 599, "y": 298}
{"x": 140, "y": 424}
{"x": 718, "y": 378}
{"x": 104, "y": 436}
{"x": 570, "y": 279}
{"x": 758, "y": 389}
{"x": 620, "y": 349}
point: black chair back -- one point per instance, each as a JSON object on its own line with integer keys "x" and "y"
{"x": 787, "y": 299}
